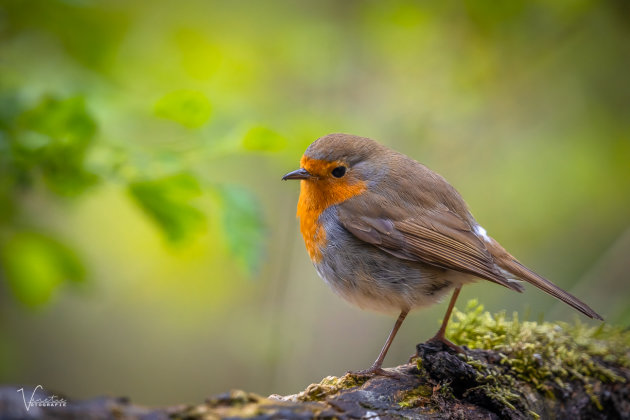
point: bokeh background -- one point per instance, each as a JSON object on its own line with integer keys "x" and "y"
{"x": 147, "y": 245}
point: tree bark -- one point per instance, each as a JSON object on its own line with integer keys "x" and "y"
{"x": 438, "y": 384}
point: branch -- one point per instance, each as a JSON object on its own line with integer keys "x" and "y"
{"x": 517, "y": 370}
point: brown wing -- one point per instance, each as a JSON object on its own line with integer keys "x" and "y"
{"x": 438, "y": 237}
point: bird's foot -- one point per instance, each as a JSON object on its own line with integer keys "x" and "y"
{"x": 439, "y": 338}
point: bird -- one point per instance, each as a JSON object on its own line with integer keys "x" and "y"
{"x": 388, "y": 234}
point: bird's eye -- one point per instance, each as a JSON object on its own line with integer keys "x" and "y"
{"x": 339, "y": 171}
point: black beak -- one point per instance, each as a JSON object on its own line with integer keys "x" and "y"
{"x": 298, "y": 174}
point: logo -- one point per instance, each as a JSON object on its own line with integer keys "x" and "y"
{"x": 50, "y": 401}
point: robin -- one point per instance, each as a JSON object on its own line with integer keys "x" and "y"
{"x": 388, "y": 234}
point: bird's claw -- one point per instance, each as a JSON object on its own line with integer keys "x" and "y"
{"x": 446, "y": 342}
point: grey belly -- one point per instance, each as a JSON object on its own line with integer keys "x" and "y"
{"x": 373, "y": 279}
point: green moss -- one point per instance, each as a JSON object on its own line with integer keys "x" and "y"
{"x": 416, "y": 397}
{"x": 547, "y": 356}
{"x": 501, "y": 394}
{"x": 236, "y": 403}
{"x": 330, "y": 385}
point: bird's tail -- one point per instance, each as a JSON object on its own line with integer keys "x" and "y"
{"x": 513, "y": 266}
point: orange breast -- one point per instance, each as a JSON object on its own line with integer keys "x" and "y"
{"x": 316, "y": 196}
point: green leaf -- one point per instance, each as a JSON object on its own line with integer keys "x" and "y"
{"x": 35, "y": 264}
{"x": 166, "y": 201}
{"x": 190, "y": 108}
{"x": 65, "y": 122}
{"x": 263, "y": 139}
{"x": 54, "y": 137}
{"x": 243, "y": 225}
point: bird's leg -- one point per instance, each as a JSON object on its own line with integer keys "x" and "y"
{"x": 439, "y": 336}
{"x": 376, "y": 366}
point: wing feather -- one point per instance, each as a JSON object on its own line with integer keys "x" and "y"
{"x": 447, "y": 242}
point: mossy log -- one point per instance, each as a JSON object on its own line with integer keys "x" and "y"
{"x": 511, "y": 370}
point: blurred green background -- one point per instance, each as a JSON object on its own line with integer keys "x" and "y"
{"x": 147, "y": 245}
